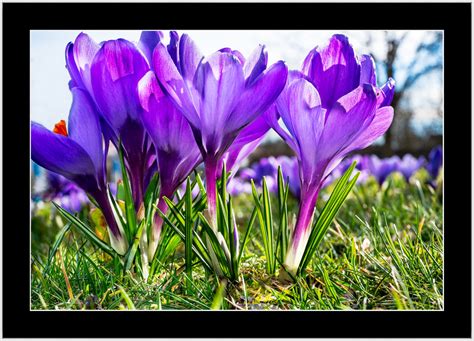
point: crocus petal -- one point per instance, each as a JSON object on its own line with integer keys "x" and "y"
{"x": 189, "y": 57}
{"x": 148, "y": 42}
{"x": 221, "y": 80}
{"x": 273, "y": 119}
{"x": 367, "y": 70}
{"x": 62, "y": 155}
{"x": 116, "y": 70}
{"x": 300, "y": 109}
{"x": 380, "y": 124}
{"x": 80, "y": 57}
{"x": 255, "y": 64}
{"x": 246, "y": 142}
{"x": 84, "y": 127}
{"x": 386, "y": 93}
{"x": 350, "y": 116}
{"x": 167, "y": 126}
{"x": 175, "y": 146}
{"x": 174, "y": 84}
{"x": 273, "y": 116}
{"x": 334, "y": 69}
{"x": 257, "y": 98}
{"x": 173, "y": 48}
{"x": 71, "y": 66}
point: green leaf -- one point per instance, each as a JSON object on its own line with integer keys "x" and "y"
{"x": 284, "y": 232}
{"x": 133, "y": 250}
{"x": 129, "y": 205}
{"x": 175, "y": 212}
{"x": 199, "y": 248}
{"x": 232, "y": 246}
{"x": 247, "y": 233}
{"x": 127, "y": 299}
{"x": 57, "y": 242}
{"x": 267, "y": 207}
{"x": 265, "y": 219}
{"x": 152, "y": 188}
{"x": 188, "y": 227}
{"x": 222, "y": 258}
{"x": 222, "y": 220}
{"x": 320, "y": 227}
{"x": 85, "y": 229}
{"x": 118, "y": 211}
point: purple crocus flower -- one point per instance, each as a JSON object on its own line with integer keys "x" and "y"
{"x": 115, "y": 72}
{"x": 329, "y": 110}
{"x": 266, "y": 166}
{"x": 109, "y": 73}
{"x": 409, "y": 164}
{"x": 219, "y": 95}
{"x": 69, "y": 195}
{"x": 435, "y": 161}
{"x": 237, "y": 186}
{"x": 78, "y": 156}
{"x": 382, "y": 168}
{"x": 176, "y": 149}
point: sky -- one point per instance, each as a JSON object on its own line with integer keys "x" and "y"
{"x": 50, "y": 97}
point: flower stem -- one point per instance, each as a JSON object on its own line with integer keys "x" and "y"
{"x": 157, "y": 227}
{"x": 210, "y": 166}
{"x": 302, "y": 231}
{"x": 117, "y": 239}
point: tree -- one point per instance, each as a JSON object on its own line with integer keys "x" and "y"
{"x": 425, "y": 59}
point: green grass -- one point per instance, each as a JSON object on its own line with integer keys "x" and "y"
{"x": 384, "y": 251}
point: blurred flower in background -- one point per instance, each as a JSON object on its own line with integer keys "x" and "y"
{"x": 49, "y": 186}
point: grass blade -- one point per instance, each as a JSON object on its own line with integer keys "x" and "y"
{"x": 85, "y": 229}
{"x": 57, "y": 241}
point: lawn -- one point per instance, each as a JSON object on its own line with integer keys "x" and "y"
{"x": 384, "y": 251}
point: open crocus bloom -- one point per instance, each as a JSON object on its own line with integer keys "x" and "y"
{"x": 176, "y": 149}
{"x": 219, "y": 95}
{"x": 329, "y": 110}
{"x": 116, "y": 70}
{"x": 109, "y": 73}
{"x": 78, "y": 156}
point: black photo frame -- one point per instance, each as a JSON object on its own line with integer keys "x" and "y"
{"x": 453, "y": 321}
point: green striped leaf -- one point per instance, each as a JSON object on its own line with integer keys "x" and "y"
{"x": 86, "y": 230}
{"x": 130, "y": 212}
{"x": 332, "y": 206}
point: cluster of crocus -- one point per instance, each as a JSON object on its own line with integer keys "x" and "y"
{"x": 221, "y": 96}
{"x": 165, "y": 109}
